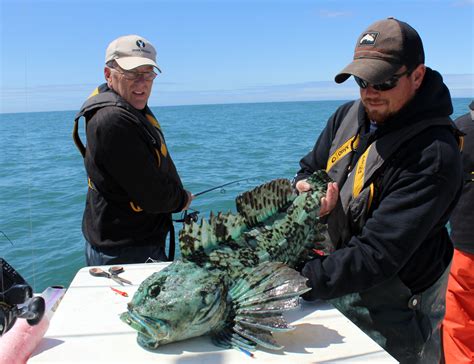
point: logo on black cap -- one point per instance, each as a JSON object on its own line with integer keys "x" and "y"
{"x": 368, "y": 38}
{"x": 140, "y": 43}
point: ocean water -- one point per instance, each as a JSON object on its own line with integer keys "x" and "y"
{"x": 43, "y": 183}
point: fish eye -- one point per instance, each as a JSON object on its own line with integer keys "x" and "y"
{"x": 154, "y": 290}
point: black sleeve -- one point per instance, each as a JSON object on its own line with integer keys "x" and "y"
{"x": 125, "y": 155}
{"x": 421, "y": 192}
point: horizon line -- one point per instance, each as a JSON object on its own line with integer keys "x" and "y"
{"x": 213, "y": 104}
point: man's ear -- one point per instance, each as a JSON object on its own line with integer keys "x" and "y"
{"x": 108, "y": 76}
{"x": 418, "y": 74}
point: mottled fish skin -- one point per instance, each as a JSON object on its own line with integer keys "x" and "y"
{"x": 235, "y": 278}
{"x": 181, "y": 301}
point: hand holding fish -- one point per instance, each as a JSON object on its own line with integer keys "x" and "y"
{"x": 328, "y": 202}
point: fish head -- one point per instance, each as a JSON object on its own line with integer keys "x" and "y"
{"x": 181, "y": 301}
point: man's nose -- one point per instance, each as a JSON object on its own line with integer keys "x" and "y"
{"x": 370, "y": 91}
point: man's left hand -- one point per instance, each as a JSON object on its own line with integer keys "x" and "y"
{"x": 329, "y": 201}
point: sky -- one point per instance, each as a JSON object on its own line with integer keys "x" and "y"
{"x": 212, "y": 52}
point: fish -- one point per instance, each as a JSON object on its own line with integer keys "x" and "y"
{"x": 236, "y": 275}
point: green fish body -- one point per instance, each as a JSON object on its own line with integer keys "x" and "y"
{"x": 236, "y": 276}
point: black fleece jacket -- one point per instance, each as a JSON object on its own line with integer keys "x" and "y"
{"x": 124, "y": 167}
{"x": 405, "y": 232}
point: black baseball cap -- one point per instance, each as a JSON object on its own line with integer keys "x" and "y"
{"x": 382, "y": 49}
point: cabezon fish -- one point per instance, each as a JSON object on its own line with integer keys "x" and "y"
{"x": 236, "y": 274}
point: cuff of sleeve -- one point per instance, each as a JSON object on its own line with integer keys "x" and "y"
{"x": 309, "y": 273}
{"x": 184, "y": 201}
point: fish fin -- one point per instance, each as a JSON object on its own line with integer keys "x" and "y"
{"x": 259, "y": 297}
{"x": 261, "y": 337}
{"x": 197, "y": 241}
{"x": 264, "y": 201}
{"x": 319, "y": 181}
{"x": 287, "y": 238}
{"x": 227, "y": 338}
{"x": 233, "y": 259}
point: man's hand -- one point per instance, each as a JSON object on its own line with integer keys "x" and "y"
{"x": 190, "y": 199}
{"x": 328, "y": 202}
{"x": 302, "y": 186}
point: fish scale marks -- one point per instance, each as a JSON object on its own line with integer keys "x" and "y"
{"x": 235, "y": 277}
{"x": 232, "y": 259}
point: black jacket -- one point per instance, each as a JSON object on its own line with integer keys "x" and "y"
{"x": 462, "y": 219}
{"x": 405, "y": 231}
{"x": 133, "y": 187}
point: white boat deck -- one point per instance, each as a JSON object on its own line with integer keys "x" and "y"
{"x": 86, "y": 329}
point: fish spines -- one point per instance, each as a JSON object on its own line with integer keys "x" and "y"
{"x": 264, "y": 201}
{"x": 285, "y": 225}
{"x": 204, "y": 236}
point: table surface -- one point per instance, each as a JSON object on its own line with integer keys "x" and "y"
{"x": 86, "y": 329}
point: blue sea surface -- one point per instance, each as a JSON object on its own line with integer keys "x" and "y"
{"x": 43, "y": 182}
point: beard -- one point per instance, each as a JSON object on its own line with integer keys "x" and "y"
{"x": 377, "y": 114}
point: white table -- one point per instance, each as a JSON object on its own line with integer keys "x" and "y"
{"x": 86, "y": 329}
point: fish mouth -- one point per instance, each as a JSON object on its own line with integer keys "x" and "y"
{"x": 151, "y": 332}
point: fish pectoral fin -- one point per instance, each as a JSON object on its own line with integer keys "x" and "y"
{"x": 259, "y": 297}
{"x": 269, "y": 281}
{"x": 228, "y": 338}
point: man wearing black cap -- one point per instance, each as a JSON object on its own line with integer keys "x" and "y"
{"x": 133, "y": 183}
{"x": 395, "y": 160}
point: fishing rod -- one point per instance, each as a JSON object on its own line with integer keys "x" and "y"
{"x": 223, "y": 185}
{"x": 193, "y": 216}
{"x": 5, "y": 235}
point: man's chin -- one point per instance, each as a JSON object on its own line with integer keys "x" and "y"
{"x": 376, "y": 116}
{"x": 139, "y": 105}
{"x": 379, "y": 116}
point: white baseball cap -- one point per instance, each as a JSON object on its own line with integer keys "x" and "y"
{"x": 131, "y": 51}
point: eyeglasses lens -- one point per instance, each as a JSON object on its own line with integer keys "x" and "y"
{"x": 384, "y": 86}
{"x": 148, "y": 76}
{"x": 131, "y": 75}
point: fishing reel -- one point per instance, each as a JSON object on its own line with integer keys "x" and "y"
{"x": 188, "y": 217}
{"x": 16, "y": 299}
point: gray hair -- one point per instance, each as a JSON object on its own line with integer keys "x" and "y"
{"x": 111, "y": 64}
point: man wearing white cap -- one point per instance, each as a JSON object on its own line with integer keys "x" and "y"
{"x": 133, "y": 183}
{"x": 394, "y": 155}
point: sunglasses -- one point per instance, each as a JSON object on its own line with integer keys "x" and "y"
{"x": 384, "y": 86}
{"x": 132, "y": 75}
